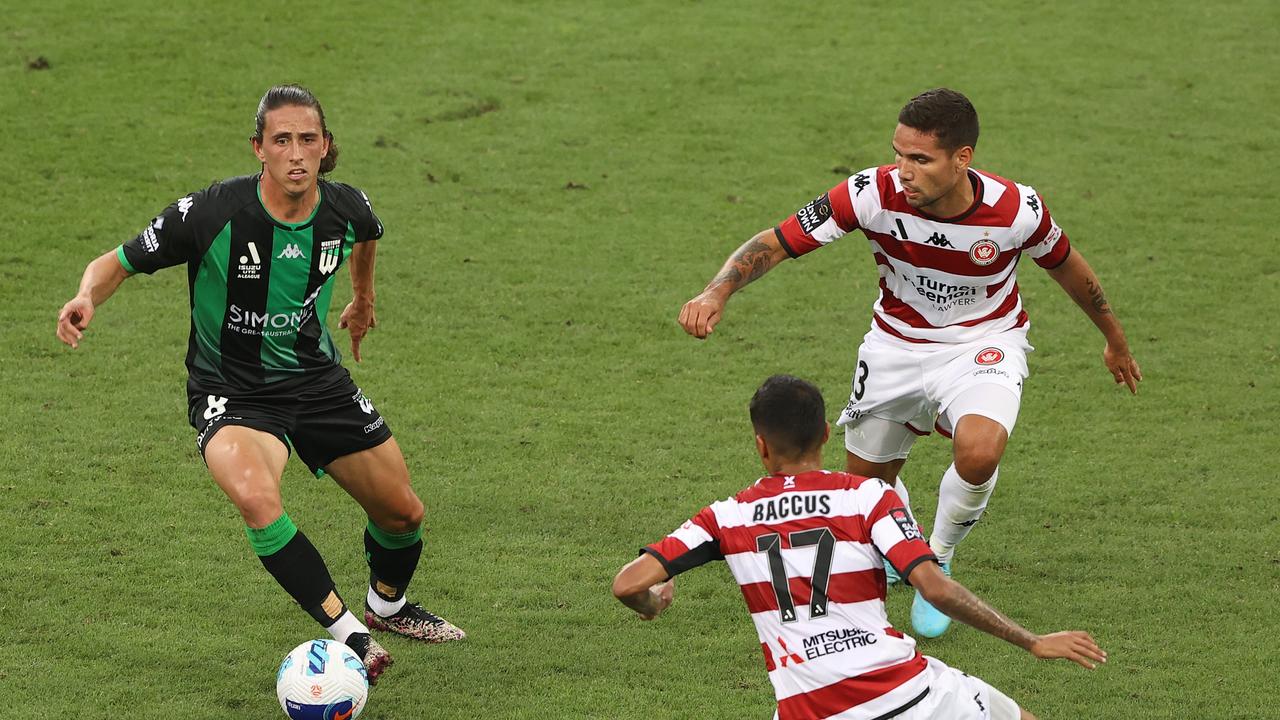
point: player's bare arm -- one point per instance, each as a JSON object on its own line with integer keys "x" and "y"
{"x": 754, "y": 258}
{"x": 960, "y": 603}
{"x": 100, "y": 280}
{"x": 1079, "y": 281}
{"x": 643, "y": 586}
{"x": 358, "y": 317}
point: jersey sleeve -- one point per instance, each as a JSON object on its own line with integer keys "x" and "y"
{"x": 822, "y": 221}
{"x": 368, "y": 226}
{"x": 354, "y": 205}
{"x": 694, "y": 543}
{"x": 1047, "y": 245}
{"x": 893, "y": 530}
{"x": 170, "y": 239}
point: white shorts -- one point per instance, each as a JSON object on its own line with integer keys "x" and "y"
{"x": 954, "y": 695}
{"x": 901, "y": 392}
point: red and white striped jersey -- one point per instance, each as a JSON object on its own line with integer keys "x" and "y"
{"x": 942, "y": 280}
{"x": 806, "y": 552}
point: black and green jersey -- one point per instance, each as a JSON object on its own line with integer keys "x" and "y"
{"x": 260, "y": 288}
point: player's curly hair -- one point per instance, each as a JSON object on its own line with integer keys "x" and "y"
{"x": 789, "y": 414}
{"x": 285, "y": 95}
{"x": 945, "y": 114}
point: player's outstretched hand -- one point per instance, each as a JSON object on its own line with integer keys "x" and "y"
{"x": 660, "y": 596}
{"x": 1124, "y": 368}
{"x": 359, "y": 319}
{"x": 1075, "y": 645}
{"x": 73, "y": 319}
{"x": 699, "y": 316}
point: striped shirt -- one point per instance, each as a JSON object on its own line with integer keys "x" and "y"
{"x": 806, "y": 551}
{"x": 260, "y": 287}
{"x": 942, "y": 280}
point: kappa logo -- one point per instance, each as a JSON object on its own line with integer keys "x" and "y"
{"x": 1033, "y": 202}
{"x": 984, "y": 252}
{"x": 291, "y": 251}
{"x": 861, "y": 181}
{"x": 788, "y": 482}
{"x": 940, "y": 240}
{"x": 184, "y": 206}
{"x": 989, "y": 356}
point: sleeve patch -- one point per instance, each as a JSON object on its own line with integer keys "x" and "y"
{"x": 907, "y": 524}
{"x": 812, "y": 216}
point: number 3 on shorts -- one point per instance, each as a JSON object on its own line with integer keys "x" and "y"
{"x": 860, "y": 380}
{"x": 217, "y": 406}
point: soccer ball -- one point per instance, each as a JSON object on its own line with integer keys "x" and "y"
{"x": 322, "y": 680}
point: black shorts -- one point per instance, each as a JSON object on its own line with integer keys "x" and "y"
{"x": 323, "y": 418}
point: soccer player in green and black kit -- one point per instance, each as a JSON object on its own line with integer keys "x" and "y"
{"x": 264, "y": 373}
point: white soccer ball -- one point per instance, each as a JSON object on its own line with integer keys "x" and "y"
{"x": 322, "y": 680}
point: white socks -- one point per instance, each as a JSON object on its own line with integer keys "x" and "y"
{"x": 959, "y": 507}
{"x": 342, "y": 628}
{"x": 384, "y": 608}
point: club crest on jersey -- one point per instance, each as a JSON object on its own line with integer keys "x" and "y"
{"x": 330, "y": 254}
{"x": 989, "y": 356}
{"x": 812, "y": 216}
{"x": 984, "y": 252}
{"x": 906, "y": 524}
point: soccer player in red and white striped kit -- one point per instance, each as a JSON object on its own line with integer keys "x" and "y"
{"x": 807, "y": 548}
{"x": 948, "y": 340}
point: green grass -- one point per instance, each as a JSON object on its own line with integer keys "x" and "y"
{"x": 553, "y": 414}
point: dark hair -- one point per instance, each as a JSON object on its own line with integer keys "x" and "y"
{"x": 789, "y": 414}
{"x": 284, "y": 95}
{"x": 945, "y": 114}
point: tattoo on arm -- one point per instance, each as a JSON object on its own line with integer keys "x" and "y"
{"x": 1096, "y": 298}
{"x": 747, "y": 263}
{"x": 968, "y": 608}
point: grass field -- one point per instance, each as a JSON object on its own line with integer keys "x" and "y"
{"x": 556, "y": 179}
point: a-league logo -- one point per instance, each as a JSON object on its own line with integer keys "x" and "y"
{"x": 989, "y": 356}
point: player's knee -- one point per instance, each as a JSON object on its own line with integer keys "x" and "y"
{"x": 255, "y": 495}
{"x": 405, "y": 516}
{"x": 259, "y": 507}
{"x": 977, "y": 463}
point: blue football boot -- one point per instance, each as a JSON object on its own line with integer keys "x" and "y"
{"x": 927, "y": 620}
